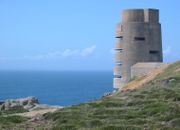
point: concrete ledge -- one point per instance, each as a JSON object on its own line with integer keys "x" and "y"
{"x": 143, "y": 68}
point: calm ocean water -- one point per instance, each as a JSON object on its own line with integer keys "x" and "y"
{"x": 55, "y": 87}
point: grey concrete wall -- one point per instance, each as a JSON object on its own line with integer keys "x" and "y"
{"x": 139, "y": 37}
{"x": 141, "y": 69}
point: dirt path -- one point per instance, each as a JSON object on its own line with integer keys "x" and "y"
{"x": 144, "y": 79}
{"x": 36, "y": 113}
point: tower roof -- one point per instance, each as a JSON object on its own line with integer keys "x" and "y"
{"x": 140, "y": 15}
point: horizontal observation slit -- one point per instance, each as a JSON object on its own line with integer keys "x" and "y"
{"x": 139, "y": 38}
{"x": 119, "y": 37}
{"x": 153, "y": 52}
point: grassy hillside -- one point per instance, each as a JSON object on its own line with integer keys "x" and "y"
{"x": 155, "y": 105}
{"x": 8, "y": 120}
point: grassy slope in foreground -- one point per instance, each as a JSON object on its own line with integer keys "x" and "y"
{"x": 155, "y": 105}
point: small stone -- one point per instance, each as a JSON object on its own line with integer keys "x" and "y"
{"x": 107, "y": 94}
{"x": 172, "y": 80}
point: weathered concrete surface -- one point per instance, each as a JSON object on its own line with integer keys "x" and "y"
{"x": 143, "y": 68}
{"x": 139, "y": 38}
{"x": 144, "y": 79}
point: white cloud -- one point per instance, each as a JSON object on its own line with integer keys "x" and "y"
{"x": 67, "y": 53}
{"x": 167, "y": 51}
{"x": 71, "y": 53}
{"x": 88, "y": 51}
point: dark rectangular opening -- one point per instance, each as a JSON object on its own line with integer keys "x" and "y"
{"x": 119, "y": 50}
{"x": 139, "y": 38}
{"x": 119, "y": 63}
{"x": 120, "y": 37}
{"x": 117, "y": 76}
{"x": 153, "y": 52}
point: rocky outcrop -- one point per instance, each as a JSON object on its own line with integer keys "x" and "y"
{"x": 1, "y": 102}
{"x": 22, "y": 103}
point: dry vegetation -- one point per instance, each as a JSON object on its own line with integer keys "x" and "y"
{"x": 154, "y": 105}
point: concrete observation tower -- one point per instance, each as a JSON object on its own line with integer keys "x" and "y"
{"x": 138, "y": 39}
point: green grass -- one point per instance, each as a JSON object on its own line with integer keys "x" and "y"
{"x": 12, "y": 119}
{"x": 12, "y": 111}
{"x": 8, "y": 120}
{"x": 155, "y": 105}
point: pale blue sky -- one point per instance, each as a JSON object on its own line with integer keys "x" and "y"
{"x": 73, "y": 34}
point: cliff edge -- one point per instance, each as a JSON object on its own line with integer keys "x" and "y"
{"x": 149, "y": 103}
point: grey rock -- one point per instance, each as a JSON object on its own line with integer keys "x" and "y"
{"x": 172, "y": 80}
{"x": 107, "y": 94}
{"x": 22, "y": 103}
{"x": 1, "y": 102}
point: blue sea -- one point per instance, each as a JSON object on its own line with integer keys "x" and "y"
{"x": 55, "y": 87}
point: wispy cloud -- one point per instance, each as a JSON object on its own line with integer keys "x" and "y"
{"x": 171, "y": 54}
{"x": 67, "y": 53}
{"x": 167, "y": 50}
{"x": 88, "y": 51}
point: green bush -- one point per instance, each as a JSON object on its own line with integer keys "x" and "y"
{"x": 12, "y": 119}
{"x": 12, "y": 111}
